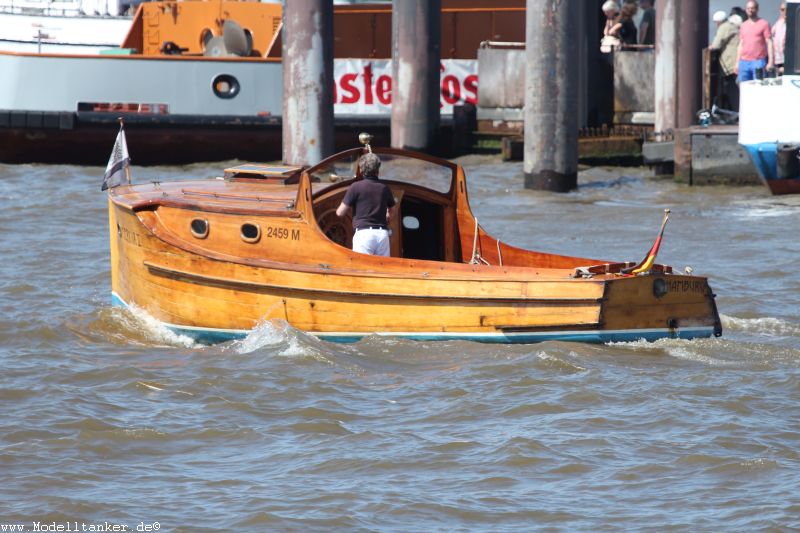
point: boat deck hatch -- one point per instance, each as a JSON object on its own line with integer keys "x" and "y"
{"x": 269, "y": 173}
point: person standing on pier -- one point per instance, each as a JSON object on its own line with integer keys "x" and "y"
{"x": 372, "y": 205}
{"x": 610, "y": 42}
{"x": 779, "y": 38}
{"x": 755, "y": 44}
{"x": 726, "y": 40}
{"x": 647, "y": 27}
{"x": 624, "y": 28}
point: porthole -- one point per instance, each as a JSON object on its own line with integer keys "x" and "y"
{"x": 250, "y": 232}
{"x": 199, "y": 227}
{"x": 659, "y": 287}
{"x": 225, "y": 86}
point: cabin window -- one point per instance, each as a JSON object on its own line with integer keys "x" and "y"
{"x": 199, "y": 227}
{"x": 250, "y": 232}
{"x": 225, "y": 86}
{"x": 411, "y": 223}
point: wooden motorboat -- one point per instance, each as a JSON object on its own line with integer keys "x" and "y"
{"x": 213, "y": 258}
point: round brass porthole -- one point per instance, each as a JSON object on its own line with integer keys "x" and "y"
{"x": 199, "y": 227}
{"x": 250, "y": 232}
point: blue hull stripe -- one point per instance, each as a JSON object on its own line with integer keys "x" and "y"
{"x": 214, "y": 336}
{"x": 765, "y": 159}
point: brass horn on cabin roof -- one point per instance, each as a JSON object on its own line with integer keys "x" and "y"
{"x": 365, "y": 138}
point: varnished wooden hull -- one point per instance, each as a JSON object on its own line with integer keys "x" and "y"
{"x": 212, "y": 297}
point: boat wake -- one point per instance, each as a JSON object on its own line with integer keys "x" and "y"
{"x": 138, "y": 323}
{"x": 769, "y": 207}
{"x": 125, "y": 326}
{"x": 769, "y": 326}
{"x": 277, "y": 336}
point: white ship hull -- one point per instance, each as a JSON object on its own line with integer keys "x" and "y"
{"x": 60, "y": 27}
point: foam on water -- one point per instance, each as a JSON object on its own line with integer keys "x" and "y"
{"x": 761, "y": 326}
{"x": 690, "y": 350}
{"x": 768, "y": 207}
{"x": 560, "y": 362}
{"x": 277, "y": 335}
{"x": 140, "y": 321}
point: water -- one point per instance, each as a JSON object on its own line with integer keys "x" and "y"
{"x": 105, "y": 417}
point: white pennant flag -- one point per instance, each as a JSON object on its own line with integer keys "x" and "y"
{"x": 117, "y": 169}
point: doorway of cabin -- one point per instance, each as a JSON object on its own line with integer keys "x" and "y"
{"x": 422, "y": 230}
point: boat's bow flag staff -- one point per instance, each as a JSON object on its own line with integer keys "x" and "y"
{"x": 647, "y": 263}
{"x": 117, "y": 170}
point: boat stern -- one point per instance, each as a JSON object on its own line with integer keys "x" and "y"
{"x": 655, "y": 306}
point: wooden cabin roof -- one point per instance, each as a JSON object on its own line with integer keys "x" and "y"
{"x": 221, "y": 195}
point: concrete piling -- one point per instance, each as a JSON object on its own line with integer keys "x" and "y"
{"x": 307, "y": 81}
{"x": 681, "y": 34}
{"x": 416, "y": 55}
{"x": 551, "y": 95}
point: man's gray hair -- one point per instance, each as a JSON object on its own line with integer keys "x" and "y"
{"x": 369, "y": 164}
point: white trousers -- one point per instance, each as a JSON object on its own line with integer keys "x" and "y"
{"x": 371, "y": 241}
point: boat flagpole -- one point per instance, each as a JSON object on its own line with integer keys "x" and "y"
{"x": 127, "y": 165}
{"x": 647, "y": 263}
{"x": 118, "y": 168}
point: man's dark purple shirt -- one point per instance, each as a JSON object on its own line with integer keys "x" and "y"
{"x": 369, "y": 199}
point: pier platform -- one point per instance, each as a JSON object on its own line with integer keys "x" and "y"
{"x": 712, "y": 155}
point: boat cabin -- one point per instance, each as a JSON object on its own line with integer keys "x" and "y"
{"x": 262, "y": 213}
{"x": 426, "y": 225}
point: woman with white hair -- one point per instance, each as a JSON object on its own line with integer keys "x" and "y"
{"x": 610, "y": 41}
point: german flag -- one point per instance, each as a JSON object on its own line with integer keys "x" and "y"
{"x": 647, "y": 264}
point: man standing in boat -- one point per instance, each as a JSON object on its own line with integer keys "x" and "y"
{"x": 372, "y": 204}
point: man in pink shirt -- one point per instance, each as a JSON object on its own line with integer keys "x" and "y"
{"x": 755, "y": 44}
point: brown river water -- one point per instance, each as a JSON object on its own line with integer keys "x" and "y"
{"x": 108, "y": 420}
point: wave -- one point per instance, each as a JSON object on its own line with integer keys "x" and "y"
{"x": 132, "y": 325}
{"x": 698, "y": 350}
{"x": 761, "y": 326}
{"x": 560, "y": 362}
{"x": 153, "y": 329}
{"x": 274, "y": 334}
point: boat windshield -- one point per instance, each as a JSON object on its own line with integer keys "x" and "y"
{"x": 394, "y": 167}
